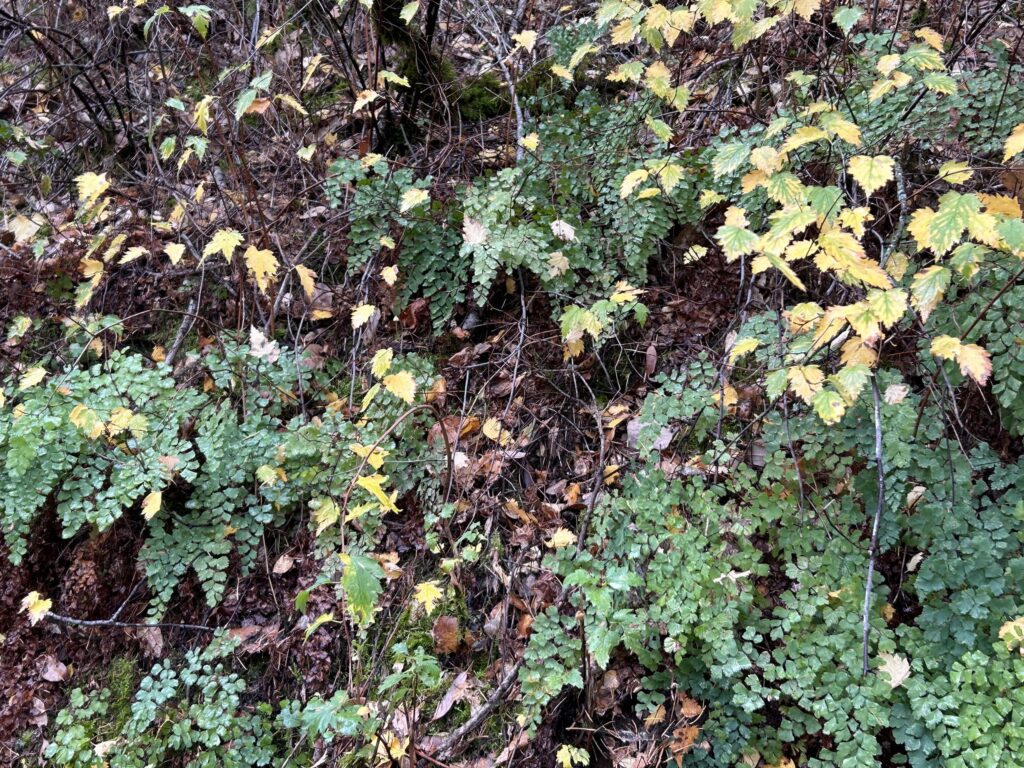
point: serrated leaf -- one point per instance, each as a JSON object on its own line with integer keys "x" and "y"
{"x": 363, "y": 98}
{"x": 36, "y": 606}
{"x": 846, "y": 17}
{"x": 361, "y": 581}
{"x": 381, "y": 362}
{"x": 743, "y": 347}
{"x": 402, "y": 385}
{"x": 872, "y": 173}
{"x": 895, "y": 668}
{"x": 730, "y": 158}
{"x": 1014, "y": 143}
{"x": 805, "y": 381}
{"x": 829, "y": 406}
{"x": 428, "y": 594}
{"x": 389, "y": 274}
{"x": 563, "y": 537}
{"x": 927, "y": 289}
{"x": 263, "y": 265}
{"x": 151, "y": 504}
{"x": 374, "y": 485}
{"x": 362, "y": 314}
{"x": 31, "y": 378}
{"x": 526, "y": 39}
{"x": 91, "y": 186}
{"x": 224, "y": 241}
{"x": 975, "y": 362}
{"x": 412, "y": 198}
{"x": 632, "y": 181}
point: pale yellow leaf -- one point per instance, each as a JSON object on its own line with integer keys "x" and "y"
{"x": 307, "y": 278}
{"x": 263, "y": 265}
{"x": 31, "y": 377}
{"x": 428, "y": 594}
{"x": 362, "y": 314}
{"x": 402, "y": 385}
{"x": 36, "y": 605}
{"x": 563, "y": 537}
{"x": 224, "y": 241}
{"x": 174, "y": 252}
{"x": 872, "y": 173}
{"x": 151, "y": 504}
{"x": 412, "y": 198}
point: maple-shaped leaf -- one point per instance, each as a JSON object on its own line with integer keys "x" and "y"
{"x": 36, "y": 606}
{"x": 945, "y": 347}
{"x": 872, "y": 173}
{"x": 806, "y": 8}
{"x": 224, "y": 241}
{"x": 151, "y": 504}
{"x": 805, "y": 381}
{"x": 381, "y": 362}
{"x": 895, "y": 667}
{"x": 402, "y": 385}
{"x": 412, "y": 198}
{"x": 526, "y": 39}
{"x": 362, "y": 314}
{"x": 91, "y": 186}
{"x": 428, "y": 594}
{"x": 563, "y": 537}
{"x": 1014, "y": 143}
{"x": 263, "y": 265}
{"x": 954, "y": 172}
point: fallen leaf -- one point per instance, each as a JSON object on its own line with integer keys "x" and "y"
{"x": 456, "y": 692}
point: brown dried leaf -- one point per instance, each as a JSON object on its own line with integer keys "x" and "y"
{"x": 447, "y": 635}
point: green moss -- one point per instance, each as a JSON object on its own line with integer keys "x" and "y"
{"x": 121, "y": 680}
{"x": 482, "y": 97}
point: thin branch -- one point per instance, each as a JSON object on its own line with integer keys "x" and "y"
{"x": 880, "y": 503}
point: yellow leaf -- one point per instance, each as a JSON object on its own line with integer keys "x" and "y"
{"x": 857, "y": 351}
{"x": 562, "y": 72}
{"x": 389, "y": 275}
{"x": 307, "y": 278}
{"x": 805, "y": 380}
{"x": 374, "y": 485}
{"x": 975, "y": 362}
{"x": 374, "y": 456}
{"x": 766, "y": 159}
{"x": 633, "y": 180}
{"x": 325, "y": 513}
{"x": 36, "y": 605}
{"x": 493, "y": 430}
{"x": 262, "y": 264}
{"x": 930, "y": 36}
{"x": 402, "y": 385}
{"x": 151, "y": 504}
{"x": 742, "y": 347}
{"x": 625, "y": 293}
{"x": 806, "y": 8}
{"x": 91, "y": 186}
{"x": 362, "y": 314}
{"x": 530, "y": 141}
{"x": 363, "y": 98}
{"x": 945, "y": 347}
{"x": 31, "y": 377}
{"x": 412, "y": 198}
{"x": 1012, "y": 633}
{"x": 920, "y": 226}
{"x": 1014, "y": 143}
{"x": 886, "y": 64}
{"x": 1002, "y": 205}
{"x": 428, "y": 594}
{"x": 563, "y": 537}
{"x": 381, "y": 362}
{"x": 872, "y": 172}
{"x": 526, "y": 39}
{"x": 801, "y": 136}
{"x": 174, "y": 252}
{"x": 292, "y": 102}
{"x": 224, "y": 241}
{"x": 954, "y": 172}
